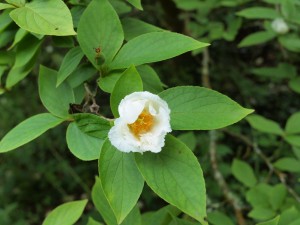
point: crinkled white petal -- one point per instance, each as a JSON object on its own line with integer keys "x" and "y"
{"x": 129, "y": 109}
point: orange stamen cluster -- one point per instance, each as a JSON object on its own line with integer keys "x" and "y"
{"x": 142, "y": 125}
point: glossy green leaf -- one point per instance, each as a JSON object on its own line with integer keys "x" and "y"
{"x": 80, "y": 75}
{"x": 291, "y": 42}
{"x": 129, "y": 82}
{"x": 289, "y": 215}
{"x": 218, "y": 218}
{"x": 108, "y": 82}
{"x": 277, "y": 196}
{"x": 243, "y": 172}
{"x": 133, "y": 218}
{"x": 18, "y": 3}
{"x": 21, "y": 33}
{"x": 136, "y": 3}
{"x": 44, "y": 17}
{"x": 91, "y": 221}
{"x": 176, "y": 176}
{"x": 162, "y": 216}
{"x": 100, "y": 27}
{"x": 293, "y": 124}
{"x": 28, "y": 130}
{"x": 69, "y": 64}
{"x": 288, "y": 164}
{"x": 5, "y": 6}
{"x": 102, "y": 204}
{"x": 189, "y": 139}
{"x": 154, "y": 47}
{"x": 56, "y": 100}
{"x": 82, "y": 145}
{"x": 293, "y": 140}
{"x": 257, "y": 38}
{"x": 121, "y": 180}
{"x": 259, "y": 13}
{"x": 259, "y": 195}
{"x": 294, "y": 84}
{"x": 261, "y": 213}
{"x": 27, "y": 52}
{"x": 66, "y": 214}
{"x": 271, "y": 222}
{"x": 151, "y": 81}
{"x": 135, "y": 27}
{"x": 5, "y": 20}
{"x": 92, "y": 125}
{"x": 197, "y": 108}
{"x": 264, "y": 125}
{"x": 282, "y": 71}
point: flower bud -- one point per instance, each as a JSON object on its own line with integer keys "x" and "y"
{"x": 280, "y": 26}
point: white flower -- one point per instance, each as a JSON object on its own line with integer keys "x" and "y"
{"x": 280, "y": 26}
{"x": 143, "y": 123}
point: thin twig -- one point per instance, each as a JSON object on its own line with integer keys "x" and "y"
{"x": 230, "y": 197}
{"x": 281, "y": 176}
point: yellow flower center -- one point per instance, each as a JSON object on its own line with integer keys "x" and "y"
{"x": 143, "y": 124}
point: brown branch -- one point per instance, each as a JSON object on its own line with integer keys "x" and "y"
{"x": 230, "y": 197}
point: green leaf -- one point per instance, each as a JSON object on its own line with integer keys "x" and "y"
{"x": 135, "y": 27}
{"x": 66, "y": 214}
{"x": 69, "y": 64}
{"x": 289, "y": 215}
{"x": 259, "y": 195}
{"x": 293, "y": 140}
{"x": 259, "y": 13}
{"x": 151, "y": 81}
{"x": 154, "y": 47}
{"x": 136, "y": 3}
{"x": 243, "y": 172}
{"x": 176, "y": 176}
{"x": 197, "y": 108}
{"x": 277, "y": 196}
{"x": 44, "y": 17}
{"x": 6, "y": 6}
{"x": 108, "y": 82}
{"x": 264, "y": 125}
{"x": 91, "y": 221}
{"x": 27, "y": 52}
{"x": 217, "y": 218}
{"x": 121, "y": 180}
{"x": 18, "y": 3}
{"x": 100, "y": 27}
{"x": 257, "y": 38}
{"x": 28, "y": 130}
{"x": 271, "y": 222}
{"x": 291, "y": 42}
{"x": 82, "y": 145}
{"x": 288, "y": 164}
{"x": 56, "y": 100}
{"x": 133, "y": 218}
{"x": 5, "y": 20}
{"x": 189, "y": 139}
{"x": 81, "y": 74}
{"x": 162, "y": 216}
{"x": 296, "y": 222}
{"x": 294, "y": 84}
{"x": 261, "y": 213}
{"x": 102, "y": 204}
{"x": 293, "y": 124}
{"x": 129, "y": 82}
{"x": 21, "y": 33}
{"x": 92, "y": 125}
{"x": 282, "y": 71}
